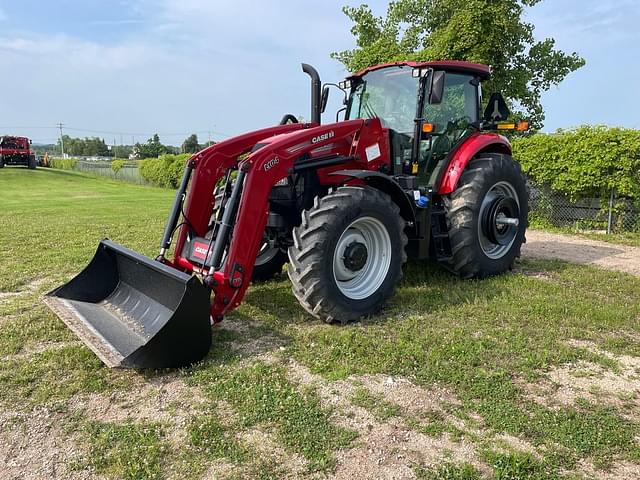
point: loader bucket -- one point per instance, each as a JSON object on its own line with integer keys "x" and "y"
{"x": 135, "y": 312}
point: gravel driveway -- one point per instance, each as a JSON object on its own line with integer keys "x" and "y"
{"x": 543, "y": 245}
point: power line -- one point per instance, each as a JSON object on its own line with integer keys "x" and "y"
{"x": 60, "y": 125}
{"x": 138, "y": 134}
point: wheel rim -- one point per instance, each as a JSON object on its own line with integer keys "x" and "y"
{"x": 266, "y": 254}
{"x": 359, "y": 273}
{"x": 499, "y": 206}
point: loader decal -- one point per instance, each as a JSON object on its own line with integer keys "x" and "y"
{"x": 323, "y": 137}
{"x": 271, "y": 163}
{"x": 200, "y": 250}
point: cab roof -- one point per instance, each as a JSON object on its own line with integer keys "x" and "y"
{"x": 482, "y": 71}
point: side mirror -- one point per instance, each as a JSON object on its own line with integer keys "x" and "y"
{"x": 497, "y": 110}
{"x": 324, "y": 99}
{"x": 436, "y": 92}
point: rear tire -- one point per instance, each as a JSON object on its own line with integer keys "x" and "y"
{"x": 348, "y": 253}
{"x": 31, "y": 163}
{"x": 492, "y": 185}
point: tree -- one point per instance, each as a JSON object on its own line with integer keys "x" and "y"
{"x": 89, "y": 147}
{"x": 116, "y": 166}
{"x": 152, "y": 149}
{"x": 481, "y": 31}
{"x": 190, "y": 145}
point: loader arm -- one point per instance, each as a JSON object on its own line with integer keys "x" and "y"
{"x": 263, "y": 169}
{"x": 210, "y": 166}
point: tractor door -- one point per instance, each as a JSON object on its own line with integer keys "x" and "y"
{"x": 390, "y": 95}
{"x": 452, "y": 120}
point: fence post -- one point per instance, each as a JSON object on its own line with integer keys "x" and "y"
{"x": 610, "y": 219}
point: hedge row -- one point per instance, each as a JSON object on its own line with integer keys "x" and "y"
{"x": 63, "y": 163}
{"x": 164, "y": 171}
{"x": 587, "y": 161}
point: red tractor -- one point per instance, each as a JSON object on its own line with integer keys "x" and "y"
{"x": 414, "y": 170}
{"x": 16, "y": 151}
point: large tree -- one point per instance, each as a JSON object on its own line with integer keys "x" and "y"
{"x": 492, "y": 32}
{"x": 190, "y": 145}
{"x": 152, "y": 149}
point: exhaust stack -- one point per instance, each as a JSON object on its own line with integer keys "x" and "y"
{"x": 316, "y": 94}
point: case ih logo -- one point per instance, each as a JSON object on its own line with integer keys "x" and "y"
{"x": 323, "y": 137}
{"x": 200, "y": 250}
{"x": 271, "y": 163}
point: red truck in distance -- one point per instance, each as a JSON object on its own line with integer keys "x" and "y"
{"x": 16, "y": 151}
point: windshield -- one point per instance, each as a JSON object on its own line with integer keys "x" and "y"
{"x": 389, "y": 94}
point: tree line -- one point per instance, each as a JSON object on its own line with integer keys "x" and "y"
{"x": 98, "y": 147}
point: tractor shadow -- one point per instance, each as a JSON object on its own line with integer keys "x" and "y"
{"x": 263, "y": 324}
{"x": 426, "y": 287}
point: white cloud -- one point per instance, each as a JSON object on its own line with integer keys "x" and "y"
{"x": 189, "y": 67}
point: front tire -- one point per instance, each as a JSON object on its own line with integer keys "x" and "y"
{"x": 1, "y": 161}
{"x": 492, "y": 191}
{"x": 348, "y": 253}
{"x": 269, "y": 263}
{"x": 31, "y": 163}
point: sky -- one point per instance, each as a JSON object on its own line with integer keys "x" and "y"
{"x": 123, "y": 70}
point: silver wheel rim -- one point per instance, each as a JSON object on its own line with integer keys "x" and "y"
{"x": 266, "y": 254}
{"x": 361, "y": 283}
{"x": 495, "y": 250}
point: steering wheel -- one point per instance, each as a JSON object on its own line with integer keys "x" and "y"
{"x": 288, "y": 118}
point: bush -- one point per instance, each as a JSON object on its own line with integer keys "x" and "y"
{"x": 164, "y": 171}
{"x": 63, "y": 163}
{"x": 116, "y": 166}
{"x": 588, "y": 161}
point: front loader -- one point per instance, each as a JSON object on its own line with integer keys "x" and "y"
{"x": 413, "y": 170}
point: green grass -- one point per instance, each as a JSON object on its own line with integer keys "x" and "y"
{"x": 480, "y": 340}
{"x": 126, "y": 451}
{"x": 449, "y": 471}
{"x": 262, "y": 394}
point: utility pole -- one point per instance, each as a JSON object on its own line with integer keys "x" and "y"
{"x": 60, "y": 125}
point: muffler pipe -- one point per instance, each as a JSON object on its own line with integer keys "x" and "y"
{"x": 316, "y": 94}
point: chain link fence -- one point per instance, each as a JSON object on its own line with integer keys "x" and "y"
{"x": 103, "y": 168}
{"x": 609, "y": 214}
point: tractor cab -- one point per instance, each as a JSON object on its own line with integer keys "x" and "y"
{"x": 427, "y": 108}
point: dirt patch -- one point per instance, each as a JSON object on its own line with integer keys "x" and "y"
{"x": 563, "y": 385}
{"x": 618, "y": 471}
{"x": 40, "y": 347}
{"x": 164, "y": 398}
{"x": 543, "y": 245}
{"x": 391, "y": 449}
{"x": 288, "y": 465}
{"x": 32, "y": 287}
{"x": 34, "y": 446}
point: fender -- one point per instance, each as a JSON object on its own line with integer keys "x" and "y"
{"x": 387, "y": 185}
{"x": 461, "y": 157}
